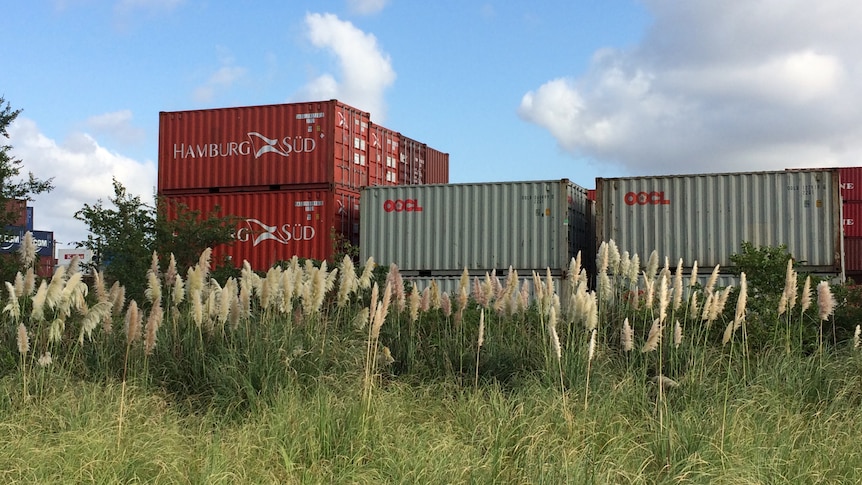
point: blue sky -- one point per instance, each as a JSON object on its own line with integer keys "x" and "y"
{"x": 511, "y": 90}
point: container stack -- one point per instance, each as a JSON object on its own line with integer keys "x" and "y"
{"x": 23, "y": 222}
{"x": 291, "y": 172}
{"x": 851, "y": 195}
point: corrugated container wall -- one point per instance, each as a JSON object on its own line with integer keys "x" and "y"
{"x": 853, "y": 258}
{"x": 440, "y": 229}
{"x": 706, "y": 217}
{"x": 274, "y": 226}
{"x": 313, "y": 145}
{"x": 851, "y": 183}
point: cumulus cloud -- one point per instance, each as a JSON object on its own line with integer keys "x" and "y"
{"x": 222, "y": 79}
{"x": 83, "y": 172}
{"x": 365, "y": 71}
{"x": 116, "y": 125}
{"x": 366, "y": 7}
{"x": 717, "y": 86}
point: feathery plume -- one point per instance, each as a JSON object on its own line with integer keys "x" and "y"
{"x": 414, "y": 303}
{"x": 446, "y": 304}
{"x": 481, "y": 339}
{"x": 367, "y": 272}
{"x": 23, "y": 338}
{"x": 425, "y": 300}
{"x": 677, "y": 286}
{"x": 805, "y": 302}
{"x": 857, "y": 340}
{"x": 591, "y": 351}
{"x": 627, "y": 336}
{"x": 151, "y": 329}
{"x": 662, "y": 298}
{"x": 96, "y": 314}
{"x": 12, "y": 308}
{"x": 710, "y": 283}
{"x": 825, "y": 300}
{"x": 133, "y": 322}
{"x": 652, "y": 264}
{"x": 693, "y": 280}
{"x": 613, "y": 256}
{"x": 27, "y": 250}
{"x": 552, "y": 333}
{"x": 654, "y": 337}
{"x": 677, "y": 335}
{"x": 38, "y": 312}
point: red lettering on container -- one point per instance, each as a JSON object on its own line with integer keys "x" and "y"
{"x": 402, "y": 205}
{"x": 645, "y": 198}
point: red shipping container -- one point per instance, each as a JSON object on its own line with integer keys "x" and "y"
{"x": 421, "y": 164}
{"x": 384, "y": 155}
{"x": 311, "y": 145}
{"x": 851, "y": 183}
{"x": 591, "y": 194}
{"x": 853, "y": 256}
{"x": 852, "y": 218}
{"x": 276, "y": 225}
{"x": 17, "y": 209}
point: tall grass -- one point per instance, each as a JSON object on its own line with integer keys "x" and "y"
{"x": 310, "y": 374}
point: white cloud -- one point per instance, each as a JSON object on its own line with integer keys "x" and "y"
{"x": 365, "y": 7}
{"x": 365, "y": 71}
{"x": 715, "y": 86}
{"x": 83, "y": 172}
{"x": 222, "y": 79}
{"x": 117, "y": 125}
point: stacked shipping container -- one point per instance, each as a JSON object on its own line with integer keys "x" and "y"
{"x": 291, "y": 172}
{"x": 851, "y": 196}
{"x": 22, "y": 222}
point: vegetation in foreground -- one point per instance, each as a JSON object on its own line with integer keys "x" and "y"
{"x": 311, "y": 375}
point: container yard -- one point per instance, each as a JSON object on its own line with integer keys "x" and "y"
{"x": 705, "y": 217}
{"x": 291, "y": 172}
{"x": 438, "y": 230}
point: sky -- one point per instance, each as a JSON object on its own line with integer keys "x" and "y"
{"x": 512, "y": 90}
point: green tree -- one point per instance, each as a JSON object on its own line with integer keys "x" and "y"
{"x": 124, "y": 235}
{"x": 121, "y": 238}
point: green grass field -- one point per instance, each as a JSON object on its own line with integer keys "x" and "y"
{"x": 287, "y": 378}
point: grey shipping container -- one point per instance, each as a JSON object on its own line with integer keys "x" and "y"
{"x": 440, "y": 229}
{"x": 706, "y": 217}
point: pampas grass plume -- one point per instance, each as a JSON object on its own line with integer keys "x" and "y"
{"x": 856, "y": 337}
{"x": 805, "y": 301}
{"x": 677, "y": 286}
{"x": 446, "y": 304}
{"x": 552, "y": 332}
{"x": 591, "y": 350}
{"x": 677, "y": 335}
{"x": 825, "y": 300}
{"x": 23, "y": 339}
{"x": 12, "y": 308}
{"x": 627, "y": 336}
{"x": 133, "y": 322}
{"x": 481, "y": 339}
{"x": 654, "y": 338}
